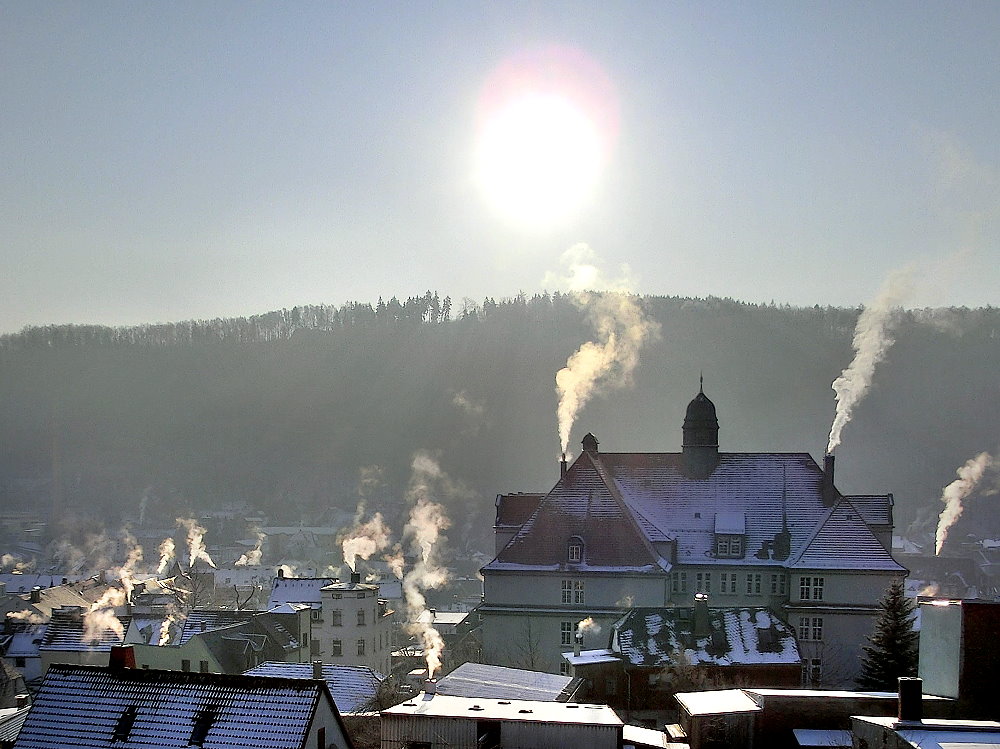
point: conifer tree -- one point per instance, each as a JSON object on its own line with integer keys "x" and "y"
{"x": 892, "y": 648}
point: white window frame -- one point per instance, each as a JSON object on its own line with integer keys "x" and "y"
{"x": 566, "y": 633}
{"x": 754, "y": 580}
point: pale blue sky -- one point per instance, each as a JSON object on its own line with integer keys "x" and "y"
{"x": 166, "y": 161}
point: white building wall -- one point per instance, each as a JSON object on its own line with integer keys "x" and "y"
{"x": 340, "y": 607}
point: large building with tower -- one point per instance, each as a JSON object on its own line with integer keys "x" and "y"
{"x": 626, "y": 530}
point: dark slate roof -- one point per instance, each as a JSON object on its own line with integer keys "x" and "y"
{"x": 622, "y": 504}
{"x": 80, "y": 706}
{"x": 842, "y": 540}
{"x": 738, "y": 636}
{"x": 203, "y": 620}
{"x": 352, "y": 687}
{"x": 876, "y": 509}
{"x": 498, "y": 682}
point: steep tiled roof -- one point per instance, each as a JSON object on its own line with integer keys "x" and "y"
{"x": 876, "y": 509}
{"x": 738, "y": 636}
{"x": 621, "y": 503}
{"x": 203, "y": 620}
{"x": 498, "y": 682}
{"x": 352, "y": 687}
{"x": 842, "y": 540}
{"x": 82, "y": 706}
{"x": 585, "y": 504}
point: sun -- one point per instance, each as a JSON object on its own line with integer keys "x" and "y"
{"x": 544, "y": 133}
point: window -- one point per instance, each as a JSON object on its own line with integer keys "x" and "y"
{"x": 361, "y": 617}
{"x": 203, "y": 666}
{"x": 316, "y": 615}
{"x": 567, "y": 591}
{"x": 727, "y": 582}
{"x": 812, "y": 672}
{"x": 610, "y": 687}
{"x": 574, "y": 549}
{"x": 566, "y": 633}
{"x": 185, "y": 665}
{"x": 564, "y": 669}
{"x": 305, "y": 639}
{"x": 361, "y": 594}
{"x": 679, "y": 582}
{"x": 314, "y": 647}
{"x": 578, "y": 592}
{"x": 753, "y": 583}
{"x": 125, "y": 723}
{"x": 19, "y": 662}
{"x": 336, "y": 648}
{"x": 729, "y": 546}
{"x": 336, "y": 618}
{"x": 811, "y": 588}
{"x": 703, "y": 582}
{"x": 777, "y": 585}
{"x": 811, "y": 628}
{"x": 361, "y": 647}
{"x": 202, "y": 722}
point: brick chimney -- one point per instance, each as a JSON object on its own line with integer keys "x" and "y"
{"x": 827, "y": 488}
{"x": 121, "y": 657}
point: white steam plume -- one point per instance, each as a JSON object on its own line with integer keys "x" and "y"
{"x": 196, "y": 542}
{"x": 101, "y": 616}
{"x": 621, "y": 330}
{"x": 364, "y": 540}
{"x": 173, "y": 617}
{"x": 28, "y": 617}
{"x": 126, "y": 573}
{"x": 427, "y": 521}
{"x": 588, "y": 627}
{"x": 969, "y": 476}
{"x": 252, "y": 558}
{"x": 166, "y": 552}
{"x": 872, "y": 338}
{"x": 396, "y": 561}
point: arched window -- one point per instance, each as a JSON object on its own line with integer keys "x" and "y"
{"x": 574, "y": 550}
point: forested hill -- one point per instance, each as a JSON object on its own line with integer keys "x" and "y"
{"x": 286, "y": 410}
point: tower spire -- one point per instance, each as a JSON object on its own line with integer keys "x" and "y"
{"x": 701, "y": 382}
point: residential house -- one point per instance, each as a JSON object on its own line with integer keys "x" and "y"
{"x": 125, "y": 707}
{"x": 354, "y": 688}
{"x": 625, "y": 530}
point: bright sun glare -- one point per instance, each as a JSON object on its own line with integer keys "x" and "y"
{"x": 545, "y": 127}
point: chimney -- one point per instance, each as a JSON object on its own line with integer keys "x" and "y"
{"x": 318, "y": 670}
{"x": 911, "y": 699}
{"x": 563, "y": 466}
{"x": 36, "y": 594}
{"x": 577, "y": 643}
{"x": 355, "y": 578}
{"x": 702, "y": 626}
{"x": 281, "y": 573}
{"x": 121, "y": 656}
{"x": 430, "y": 686}
{"x": 21, "y": 701}
{"x": 829, "y": 493}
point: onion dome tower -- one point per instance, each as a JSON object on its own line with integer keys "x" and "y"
{"x": 701, "y": 435}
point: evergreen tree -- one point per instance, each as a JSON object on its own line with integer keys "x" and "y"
{"x": 892, "y": 648}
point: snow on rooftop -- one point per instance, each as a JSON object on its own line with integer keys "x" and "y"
{"x": 590, "y": 657}
{"x": 717, "y": 701}
{"x": 535, "y": 711}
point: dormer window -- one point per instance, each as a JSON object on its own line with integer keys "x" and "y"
{"x": 730, "y": 530}
{"x": 574, "y": 550}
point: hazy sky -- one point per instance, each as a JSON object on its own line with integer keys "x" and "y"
{"x": 168, "y": 161}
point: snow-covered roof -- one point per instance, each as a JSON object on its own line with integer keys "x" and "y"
{"x": 533, "y": 711}
{"x": 717, "y": 701}
{"x": 351, "y": 686}
{"x": 623, "y": 504}
{"x": 84, "y": 706}
{"x": 203, "y": 620}
{"x": 298, "y": 590}
{"x": 822, "y": 737}
{"x": 591, "y": 657}
{"x": 499, "y": 682}
{"x": 66, "y": 630}
{"x": 736, "y": 636}
{"x": 942, "y": 733}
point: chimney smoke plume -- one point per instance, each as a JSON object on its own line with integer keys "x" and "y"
{"x": 101, "y": 616}
{"x": 166, "y": 551}
{"x": 872, "y": 338}
{"x": 969, "y": 476}
{"x": 252, "y": 558}
{"x": 621, "y": 330}
{"x": 195, "y": 540}
{"x": 365, "y": 539}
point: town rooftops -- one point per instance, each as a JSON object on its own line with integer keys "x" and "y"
{"x": 68, "y": 630}
{"x": 717, "y": 701}
{"x": 89, "y": 706}
{"x": 352, "y": 687}
{"x": 499, "y": 682}
{"x": 591, "y": 657}
{"x": 533, "y": 711}
{"x": 624, "y": 506}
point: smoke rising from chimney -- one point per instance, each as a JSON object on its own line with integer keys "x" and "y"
{"x": 621, "y": 330}
{"x": 166, "y": 552}
{"x": 365, "y": 539}
{"x": 101, "y": 616}
{"x": 28, "y": 617}
{"x": 126, "y": 573}
{"x": 588, "y": 627}
{"x": 195, "y": 540}
{"x": 872, "y": 338}
{"x": 969, "y": 476}
{"x": 426, "y": 523}
{"x": 252, "y": 558}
